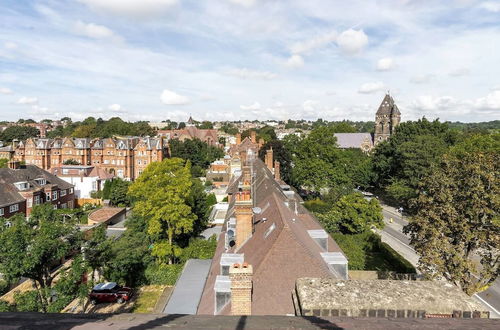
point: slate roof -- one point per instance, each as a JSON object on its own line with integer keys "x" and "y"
{"x": 352, "y": 140}
{"x": 280, "y": 249}
{"x": 388, "y": 106}
{"x": 9, "y": 193}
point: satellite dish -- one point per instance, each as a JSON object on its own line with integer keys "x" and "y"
{"x": 257, "y": 210}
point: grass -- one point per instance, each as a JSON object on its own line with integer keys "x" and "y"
{"x": 147, "y": 296}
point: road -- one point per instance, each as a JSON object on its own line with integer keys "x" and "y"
{"x": 392, "y": 234}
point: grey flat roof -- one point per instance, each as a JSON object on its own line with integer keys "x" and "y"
{"x": 189, "y": 287}
{"x": 207, "y": 233}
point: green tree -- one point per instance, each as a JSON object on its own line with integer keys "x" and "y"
{"x": 20, "y": 133}
{"x": 343, "y": 127}
{"x": 71, "y": 162}
{"x": 97, "y": 250}
{"x": 353, "y": 214}
{"x": 118, "y": 194}
{"x": 456, "y": 227}
{"x": 3, "y": 162}
{"x": 161, "y": 195}
{"x": 43, "y": 239}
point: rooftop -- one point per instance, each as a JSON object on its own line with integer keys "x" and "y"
{"x": 433, "y": 297}
{"x": 105, "y": 213}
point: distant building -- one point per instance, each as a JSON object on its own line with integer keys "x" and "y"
{"x": 86, "y": 179}
{"x": 124, "y": 157}
{"x": 210, "y": 136}
{"x": 387, "y": 119}
{"x": 23, "y": 186}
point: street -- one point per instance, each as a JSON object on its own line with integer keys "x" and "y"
{"x": 392, "y": 234}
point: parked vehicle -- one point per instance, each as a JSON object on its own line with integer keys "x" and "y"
{"x": 109, "y": 292}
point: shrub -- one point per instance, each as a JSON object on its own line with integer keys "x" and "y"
{"x": 199, "y": 249}
{"x": 317, "y": 205}
{"x": 163, "y": 274}
{"x": 27, "y": 301}
{"x": 5, "y": 307}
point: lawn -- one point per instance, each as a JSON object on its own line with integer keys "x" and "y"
{"x": 147, "y": 296}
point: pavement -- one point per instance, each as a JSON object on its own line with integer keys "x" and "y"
{"x": 393, "y": 235}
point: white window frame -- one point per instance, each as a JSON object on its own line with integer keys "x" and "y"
{"x": 63, "y": 192}
{"x": 13, "y": 208}
{"x": 54, "y": 195}
{"x": 1, "y": 212}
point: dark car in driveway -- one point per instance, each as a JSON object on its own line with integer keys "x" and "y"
{"x": 110, "y": 292}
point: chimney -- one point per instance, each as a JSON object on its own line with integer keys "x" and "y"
{"x": 241, "y": 289}
{"x": 261, "y": 142}
{"x": 244, "y": 217}
{"x": 15, "y": 143}
{"x": 243, "y": 157}
{"x": 238, "y": 139}
{"x": 277, "y": 175}
{"x": 14, "y": 165}
{"x": 253, "y": 136}
{"x": 269, "y": 159}
{"x": 246, "y": 176}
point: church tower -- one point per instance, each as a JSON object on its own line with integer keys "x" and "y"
{"x": 386, "y": 119}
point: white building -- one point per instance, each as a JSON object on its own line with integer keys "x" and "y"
{"x": 86, "y": 179}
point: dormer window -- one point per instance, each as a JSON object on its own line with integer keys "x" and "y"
{"x": 337, "y": 263}
{"x": 23, "y": 185}
{"x": 41, "y": 181}
{"x": 319, "y": 236}
{"x": 228, "y": 259}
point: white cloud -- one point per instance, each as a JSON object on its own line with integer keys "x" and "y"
{"x": 116, "y": 108}
{"x": 385, "y": 64}
{"x": 27, "y": 100}
{"x": 95, "y": 31}
{"x": 172, "y": 98}
{"x": 489, "y": 102}
{"x": 244, "y": 3}
{"x": 308, "y": 45}
{"x": 459, "y": 72}
{"x": 352, "y": 41}
{"x": 4, "y": 90}
{"x": 422, "y": 78}
{"x": 10, "y": 45}
{"x": 295, "y": 61}
{"x": 251, "y": 74}
{"x": 310, "y": 105}
{"x": 254, "y": 106}
{"x": 491, "y": 6}
{"x": 433, "y": 103}
{"x": 131, "y": 8}
{"x": 372, "y": 87}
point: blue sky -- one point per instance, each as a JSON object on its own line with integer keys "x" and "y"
{"x": 249, "y": 59}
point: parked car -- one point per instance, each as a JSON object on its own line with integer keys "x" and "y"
{"x": 109, "y": 292}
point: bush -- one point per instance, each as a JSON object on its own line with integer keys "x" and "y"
{"x": 27, "y": 302}
{"x": 199, "y": 249}
{"x": 317, "y": 205}
{"x": 5, "y": 307}
{"x": 163, "y": 274}
{"x": 211, "y": 200}
{"x": 4, "y": 287}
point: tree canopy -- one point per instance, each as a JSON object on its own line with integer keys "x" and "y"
{"x": 456, "y": 228}
{"x": 20, "y": 133}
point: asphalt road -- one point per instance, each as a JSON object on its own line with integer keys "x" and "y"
{"x": 393, "y": 235}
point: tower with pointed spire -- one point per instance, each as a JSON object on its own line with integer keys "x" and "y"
{"x": 386, "y": 119}
{"x": 190, "y": 122}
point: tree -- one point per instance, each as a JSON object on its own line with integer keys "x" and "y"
{"x": 20, "y": 133}
{"x": 353, "y": 214}
{"x": 401, "y": 162}
{"x": 343, "y": 127}
{"x": 199, "y": 153}
{"x": 71, "y": 162}
{"x": 456, "y": 227}
{"x": 161, "y": 195}
{"x": 29, "y": 248}
{"x": 3, "y": 162}
{"x": 97, "y": 249}
{"x": 118, "y": 195}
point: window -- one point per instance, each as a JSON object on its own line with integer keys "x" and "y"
{"x": 337, "y": 263}
{"x": 54, "y": 195}
{"x": 320, "y": 237}
{"x": 222, "y": 290}
{"x": 70, "y": 190}
{"x": 63, "y": 205}
{"x": 41, "y": 181}
{"x": 54, "y": 206}
{"x": 37, "y": 199}
{"x": 29, "y": 202}
{"x": 14, "y": 208}
{"x": 269, "y": 230}
{"x": 63, "y": 192}
{"x": 48, "y": 196}
{"x": 22, "y": 185}
{"x": 1, "y": 212}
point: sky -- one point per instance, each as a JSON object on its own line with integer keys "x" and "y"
{"x": 249, "y": 59}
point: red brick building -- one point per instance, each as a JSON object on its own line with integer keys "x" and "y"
{"x": 22, "y": 187}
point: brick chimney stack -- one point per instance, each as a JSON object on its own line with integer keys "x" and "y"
{"x": 253, "y": 136}
{"x": 277, "y": 175}
{"x": 238, "y": 139}
{"x": 241, "y": 289}
{"x": 261, "y": 142}
{"x": 269, "y": 159}
{"x": 244, "y": 217}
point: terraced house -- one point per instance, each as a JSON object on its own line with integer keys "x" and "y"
{"x": 23, "y": 186}
{"x": 124, "y": 157}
